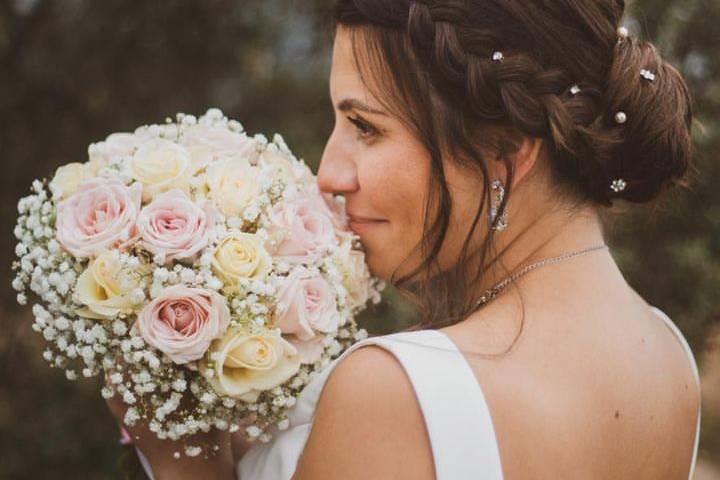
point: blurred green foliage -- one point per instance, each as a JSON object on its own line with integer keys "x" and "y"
{"x": 72, "y": 72}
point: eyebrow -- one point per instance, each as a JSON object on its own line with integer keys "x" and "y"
{"x": 355, "y": 104}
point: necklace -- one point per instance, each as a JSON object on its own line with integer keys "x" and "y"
{"x": 494, "y": 291}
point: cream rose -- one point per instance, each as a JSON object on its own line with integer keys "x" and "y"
{"x": 161, "y": 165}
{"x": 355, "y": 273}
{"x": 232, "y": 183}
{"x": 240, "y": 255}
{"x": 105, "y": 288}
{"x": 68, "y": 178}
{"x": 282, "y": 163}
{"x": 243, "y": 364}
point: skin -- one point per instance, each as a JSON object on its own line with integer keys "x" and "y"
{"x": 595, "y": 381}
{"x": 564, "y": 402}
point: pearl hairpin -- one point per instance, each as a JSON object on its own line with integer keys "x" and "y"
{"x": 575, "y": 89}
{"x": 621, "y": 117}
{"x": 618, "y": 185}
{"x": 497, "y": 56}
{"x": 623, "y": 32}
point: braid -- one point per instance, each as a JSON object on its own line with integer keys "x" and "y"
{"x": 516, "y": 89}
{"x": 615, "y": 116}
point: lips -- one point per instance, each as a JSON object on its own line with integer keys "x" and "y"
{"x": 361, "y": 219}
{"x": 360, "y": 224}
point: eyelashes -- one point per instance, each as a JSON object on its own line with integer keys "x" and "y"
{"x": 365, "y": 130}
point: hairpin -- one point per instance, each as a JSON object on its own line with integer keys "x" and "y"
{"x": 575, "y": 89}
{"x": 623, "y": 32}
{"x": 618, "y": 185}
{"x": 647, "y": 75}
{"x": 497, "y": 56}
{"x": 620, "y": 117}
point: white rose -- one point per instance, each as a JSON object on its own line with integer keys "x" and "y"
{"x": 161, "y": 165}
{"x": 241, "y": 255}
{"x": 246, "y": 364}
{"x": 68, "y": 178}
{"x": 232, "y": 185}
{"x": 105, "y": 288}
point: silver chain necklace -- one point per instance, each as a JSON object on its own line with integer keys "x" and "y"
{"x": 495, "y": 291}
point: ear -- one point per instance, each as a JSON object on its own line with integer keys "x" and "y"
{"x": 523, "y": 160}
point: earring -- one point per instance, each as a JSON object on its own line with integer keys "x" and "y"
{"x": 499, "y": 195}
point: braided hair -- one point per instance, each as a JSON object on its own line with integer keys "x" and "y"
{"x": 611, "y": 111}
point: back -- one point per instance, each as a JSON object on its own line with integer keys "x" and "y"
{"x": 609, "y": 400}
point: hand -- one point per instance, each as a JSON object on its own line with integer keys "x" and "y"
{"x": 160, "y": 453}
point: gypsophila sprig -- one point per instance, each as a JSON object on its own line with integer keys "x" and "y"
{"x": 197, "y": 268}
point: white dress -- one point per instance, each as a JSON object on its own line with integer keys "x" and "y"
{"x": 456, "y": 414}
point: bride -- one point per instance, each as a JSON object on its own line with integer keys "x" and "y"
{"x": 478, "y": 145}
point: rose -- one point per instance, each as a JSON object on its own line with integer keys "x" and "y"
{"x": 306, "y": 305}
{"x": 183, "y": 321}
{"x": 300, "y": 230}
{"x": 240, "y": 255}
{"x": 161, "y": 165}
{"x": 232, "y": 184}
{"x": 105, "y": 287}
{"x": 220, "y": 141}
{"x": 68, "y": 178}
{"x": 286, "y": 168}
{"x": 174, "y": 226}
{"x": 355, "y": 273}
{"x": 115, "y": 145}
{"x": 280, "y": 162}
{"x": 332, "y": 207}
{"x": 245, "y": 364}
{"x": 101, "y": 215}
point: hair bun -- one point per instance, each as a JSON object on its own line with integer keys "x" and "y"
{"x": 644, "y": 136}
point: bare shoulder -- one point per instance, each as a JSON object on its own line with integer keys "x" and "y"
{"x": 368, "y": 423}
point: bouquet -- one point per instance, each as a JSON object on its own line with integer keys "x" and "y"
{"x": 191, "y": 261}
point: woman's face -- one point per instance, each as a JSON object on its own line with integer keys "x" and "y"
{"x": 383, "y": 171}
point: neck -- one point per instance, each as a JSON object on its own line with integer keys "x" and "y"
{"x": 532, "y": 237}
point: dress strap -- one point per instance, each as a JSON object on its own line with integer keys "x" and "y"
{"x": 456, "y": 414}
{"x": 691, "y": 356}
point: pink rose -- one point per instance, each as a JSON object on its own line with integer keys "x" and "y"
{"x": 300, "y": 230}
{"x": 221, "y": 141}
{"x": 115, "y": 145}
{"x": 306, "y": 306}
{"x": 183, "y": 321}
{"x": 101, "y": 215}
{"x": 174, "y": 226}
{"x": 334, "y": 208}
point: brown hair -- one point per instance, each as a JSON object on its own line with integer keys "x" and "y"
{"x": 434, "y": 61}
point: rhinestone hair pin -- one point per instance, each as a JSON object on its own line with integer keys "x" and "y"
{"x": 647, "y": 75}
{"x": 618, "y": 185}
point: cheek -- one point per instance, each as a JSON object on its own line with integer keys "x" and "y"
{"x": 393, "y": 180}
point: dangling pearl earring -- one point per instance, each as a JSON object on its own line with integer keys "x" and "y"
{"x": 499, "y": 195}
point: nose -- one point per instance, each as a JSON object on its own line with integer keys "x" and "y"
{"x": 337, "y": 173}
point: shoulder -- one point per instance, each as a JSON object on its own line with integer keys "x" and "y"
{"x": 368, "y": 423}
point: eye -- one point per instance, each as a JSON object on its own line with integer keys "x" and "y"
{"x": 365, "y": 130}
